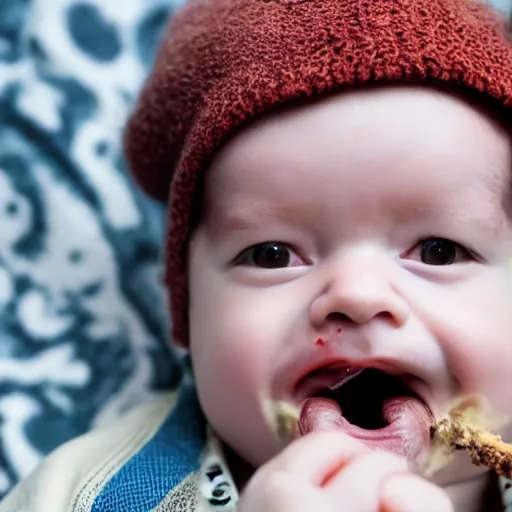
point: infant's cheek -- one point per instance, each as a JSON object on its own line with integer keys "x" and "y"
{"x": 497, "y": 389}
{"x": 228, "y": 392}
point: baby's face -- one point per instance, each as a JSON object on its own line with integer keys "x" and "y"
{"x": 369, "y": 230}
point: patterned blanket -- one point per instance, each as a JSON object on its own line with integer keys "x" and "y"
{"x": 84, "y": 327}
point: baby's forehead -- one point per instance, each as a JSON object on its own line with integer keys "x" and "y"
{"x": 417, "y": 121}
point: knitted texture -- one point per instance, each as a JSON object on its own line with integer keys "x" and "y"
{"x": 223, "y": 62}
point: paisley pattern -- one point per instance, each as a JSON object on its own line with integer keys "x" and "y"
{"x": 83, "y": 318}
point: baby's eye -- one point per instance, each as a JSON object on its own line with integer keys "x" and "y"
{"x": 439, "y": 251}
{"x": 269, "y": 255}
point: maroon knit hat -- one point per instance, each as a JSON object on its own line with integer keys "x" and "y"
{"x": 223, "y": 62}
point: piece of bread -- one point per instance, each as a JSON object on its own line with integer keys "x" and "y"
{"x": 465, "y": 427}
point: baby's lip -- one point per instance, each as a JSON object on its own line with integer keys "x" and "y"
{"x": 407, "y": 432}
{"x": 381, "y": 405}
{"x": 317, "y": 379}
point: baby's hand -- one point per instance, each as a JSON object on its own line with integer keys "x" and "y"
{"x": 332, "y": 472}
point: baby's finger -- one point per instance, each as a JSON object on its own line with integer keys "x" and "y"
{"x": 317, "y": 456}
{"x": 358, "y": 486}
{"x": 282, "y": 492}
{"x": 411, "y": 493}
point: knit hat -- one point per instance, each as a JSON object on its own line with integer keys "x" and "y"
{"x": 224, "y": 62}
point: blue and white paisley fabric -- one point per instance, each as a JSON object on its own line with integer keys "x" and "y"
{"x": 83, "y": 318}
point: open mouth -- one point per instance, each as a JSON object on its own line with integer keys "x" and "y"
{"x": 362, "y": 398}
{"x": 370, "y": 404}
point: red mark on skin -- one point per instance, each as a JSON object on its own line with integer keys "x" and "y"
{"x": 339, "y": 329}
{"x": 320, "y": 342}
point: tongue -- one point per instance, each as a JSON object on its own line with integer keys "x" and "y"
{"x": 407, "y": 434}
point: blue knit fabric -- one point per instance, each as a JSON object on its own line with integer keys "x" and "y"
{"x": 172, "y": 454}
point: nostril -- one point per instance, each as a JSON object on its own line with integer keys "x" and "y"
{"x": 339, "y": 317}
{"x": 389, "y": 317}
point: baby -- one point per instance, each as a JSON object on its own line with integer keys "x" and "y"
{"x": 339, "y": 242}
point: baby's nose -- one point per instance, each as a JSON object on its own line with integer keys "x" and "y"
{"x": 359, "y": 289}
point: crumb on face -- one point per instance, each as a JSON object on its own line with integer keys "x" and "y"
{"x": 282, "y": 418}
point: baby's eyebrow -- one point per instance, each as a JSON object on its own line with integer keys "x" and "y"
{"x": 255, "y": 216}
{"x": 493, "y": 222}
{"x": 232, "y": 224}
{"x": 488, "y": 216}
